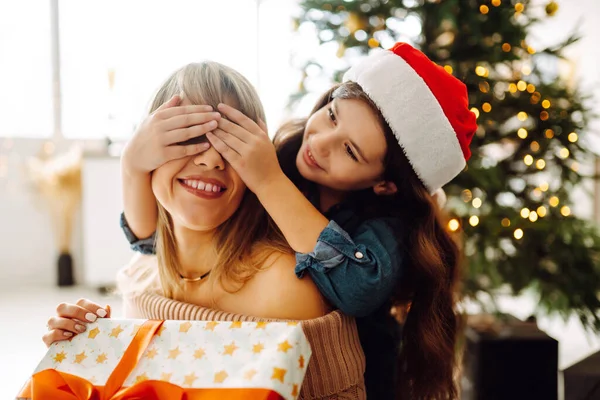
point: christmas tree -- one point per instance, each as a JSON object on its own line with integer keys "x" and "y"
{"x": 513, "y": 202}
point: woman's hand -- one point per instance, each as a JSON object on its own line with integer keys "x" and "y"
{"x": 72, "y": 319}
{"x": 247, "y": 147}
{"x": 162, "y": 136}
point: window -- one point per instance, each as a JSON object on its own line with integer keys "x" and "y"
{"x": 115, "y": 54}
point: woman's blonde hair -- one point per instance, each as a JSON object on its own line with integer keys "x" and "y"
{"x": 245, "y": 241}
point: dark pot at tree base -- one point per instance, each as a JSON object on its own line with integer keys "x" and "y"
{"x": 65, "y": 270}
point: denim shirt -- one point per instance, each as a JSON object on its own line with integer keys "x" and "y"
{"x": 356, "y": 265}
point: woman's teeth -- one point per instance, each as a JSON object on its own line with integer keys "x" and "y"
{"x": 311, "y": 157}
{"x": 199, "y": 185}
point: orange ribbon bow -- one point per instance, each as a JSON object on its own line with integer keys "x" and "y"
{"x": 56, "y": 385}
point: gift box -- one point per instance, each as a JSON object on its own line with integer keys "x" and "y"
{"x": 150, "y": 359}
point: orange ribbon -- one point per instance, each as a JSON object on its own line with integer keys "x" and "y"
{"x": 56, "y": 385}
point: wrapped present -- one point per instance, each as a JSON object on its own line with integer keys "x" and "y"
{"x": 151, "y": 359}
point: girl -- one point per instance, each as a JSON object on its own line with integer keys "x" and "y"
{"x": 353, "y": 199}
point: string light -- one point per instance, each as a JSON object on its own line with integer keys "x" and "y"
{"x": 475, "y": 111}
{"x": 544, "y": 115}
{"x": 506, "y": 47}
{"x": 512, "y": 88}
{"x": 575, "y": 166}
{"x": 481, "y": 71}
{"x": 537, "y": 192}
{"x": 522, "y": 132}
{"x": 505, "y": 222}
{"x": 519, "y": 7}
{"x": 484, "y": 9}
{"x": 477, "y": 202}
{"x": 522, "y": 86}
{"x": 518, "y": 234}
{"x": 525, "y": 212}
{"x": 535, "y": 146}
{"x": 448, "y": 68}
{"x": 486, "y": 107}
{"x": 544, "y": 186}
{"x": 540, "y": 164}
{"x": 572, "y": 137}
{"x": 541, "y": 211}
{"x": 496, "y": 3}
{"x": 565, "y": 211}
{"x": 453, "y": 225}
{"x": 484, "y": 86}
{"x": 474, "y": 220}
{"x": 533, "y": 216}
{"x": 522, "y": 116}
{"x": 528, "y": 160}
{"x": 526, "y": 71}
{"x": 531, "y": 88}
{"x": 467, "y": 195}
{"x": 373, "y": 43}
{"x": 546, "y": 103}
{"x": 530, "y": 50}
{"x": 549, "y": 133}
{"x": 563, "y": 153}
{"x": 554, "y": 201}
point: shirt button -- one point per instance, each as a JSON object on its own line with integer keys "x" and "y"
{"x": 358, "y": 255}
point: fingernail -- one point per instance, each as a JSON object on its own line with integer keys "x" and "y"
{"x": 90, "y": 317}
{"x": 101, "y": 312}
{"x": 212, "y": 123}
{"x": 80, "y": 328}
{"x": 207, "y": 108}
{"x": 68, "y": 334}
{"x": 204, "y": 145}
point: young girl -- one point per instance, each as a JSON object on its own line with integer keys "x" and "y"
{"x": 353, "y": 198}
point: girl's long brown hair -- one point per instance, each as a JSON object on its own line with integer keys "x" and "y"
{"x": 245, "y": 241}
{"x": 428, "y": 354}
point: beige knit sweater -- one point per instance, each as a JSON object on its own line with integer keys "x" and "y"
{"x": 337, "y": 365}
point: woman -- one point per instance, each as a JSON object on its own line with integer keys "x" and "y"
{"x": 216, "y": 246}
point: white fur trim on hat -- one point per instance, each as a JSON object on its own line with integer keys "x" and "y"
{"x": 414, "y": 114}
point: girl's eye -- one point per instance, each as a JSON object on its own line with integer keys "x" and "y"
{"x": 331, "y": 115}
{"x": 351, "y": 153}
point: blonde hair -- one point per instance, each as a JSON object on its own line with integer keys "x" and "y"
{"x": 245, "y": 241}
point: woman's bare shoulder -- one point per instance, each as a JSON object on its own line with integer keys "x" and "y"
{"x": 281, "y": 294}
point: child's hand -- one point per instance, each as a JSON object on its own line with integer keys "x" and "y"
{"x": 72, "y": 319}
{"x": 246, "y": 146}
{"x": 159, "y": 138}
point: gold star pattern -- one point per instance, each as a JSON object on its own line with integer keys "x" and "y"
{"x": 59, "y": 357}
{"x": 93, "y": 333}
{"x": 278, "y": 373}
{"x": 230, "y": 348}
{"x": 141, "y": 378}
{"x": 161, "y": 330}
{"x": 261, "y": 325}
{"x": 235, "y": 325}
{"x": 210, "y": 326}
{"x": 165, "y": 377}
{"x": 189, "y": 379}
{"x": 220, "y": 376}
{"x": 101, "y": 358}
{"x": 135, "y": 329}
{"x": 174, "y": 353}
{"x": 199, "y": 353}
{"x": 292, "y": 323}
{"x": 185, "y": 327}
{"x": 80, "y": 357}
{"x": 295, "y": 390}
{"x": 116, "y": 331}
{"x": 248, "y": 375}
{"x": 152, "y": 353}
{"x": 284, "y": 346}
{"x": 301, "y": 362}
{"x": 257, "y": 348}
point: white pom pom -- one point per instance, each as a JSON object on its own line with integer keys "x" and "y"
{"x": 440, "y": 197}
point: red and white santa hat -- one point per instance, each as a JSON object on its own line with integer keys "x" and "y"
{"x": 426, "y": 107}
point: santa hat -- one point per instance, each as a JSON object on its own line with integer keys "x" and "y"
{"x": 426, "y": 107}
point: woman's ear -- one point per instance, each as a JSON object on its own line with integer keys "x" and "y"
{"x": 385, "y": 188}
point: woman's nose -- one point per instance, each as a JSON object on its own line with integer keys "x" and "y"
{"x": 210, "y": 159}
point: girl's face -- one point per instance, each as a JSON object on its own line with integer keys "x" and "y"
{"x": 343, "y": 147}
